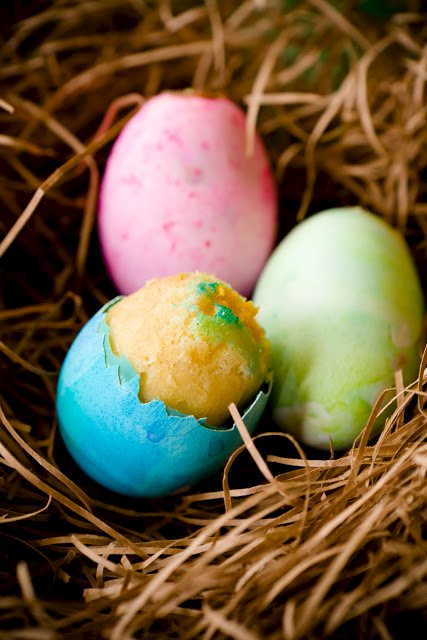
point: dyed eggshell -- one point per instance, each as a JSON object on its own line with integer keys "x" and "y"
{"x": 180, "y": 194}
{"x": 342, "y": 305}
{"x": 143, "y": 450}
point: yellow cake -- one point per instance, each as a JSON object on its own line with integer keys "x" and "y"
{"x": 195, "y": 343}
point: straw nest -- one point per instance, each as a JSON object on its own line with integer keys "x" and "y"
{"x": 288, "y": 543}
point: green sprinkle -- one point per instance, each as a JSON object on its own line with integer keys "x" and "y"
{"x": 226, "y": 315}
{"x": 222, "y": 325}
{"x": 207, "y": 288}
{"x": 226, "y": 327}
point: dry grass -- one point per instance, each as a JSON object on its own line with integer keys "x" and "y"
{"x": 288, "y": 545}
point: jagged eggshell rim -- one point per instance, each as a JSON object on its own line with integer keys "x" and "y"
{"x": 135, "y": 448}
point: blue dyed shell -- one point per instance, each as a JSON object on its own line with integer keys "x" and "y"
{"x": 133, "y": 448}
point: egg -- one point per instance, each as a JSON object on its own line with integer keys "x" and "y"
{"x": 342, "y": 306}
{"x": 143, "y": 393}
{"x": 180, "y": 193}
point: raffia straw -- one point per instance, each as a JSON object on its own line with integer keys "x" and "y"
{"x": 250, "y": 446}
{"x": 56, "y": 177}
{"x": 295, "y": 543}
{"x": 260, "y": 82}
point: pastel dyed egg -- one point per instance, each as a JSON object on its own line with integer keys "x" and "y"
{"x": 180, "y": 193}
{"x": 342, "y": 305}
{"x": 124, "y": 406}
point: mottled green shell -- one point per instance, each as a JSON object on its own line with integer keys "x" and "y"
{"x": 342, "y": 305}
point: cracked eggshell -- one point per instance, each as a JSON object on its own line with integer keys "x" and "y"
{"x": 181, "y": 194}
{"x": 342, "y": 306}
{"x": 132, "y": 448}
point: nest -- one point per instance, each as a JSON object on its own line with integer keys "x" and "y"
{"x": 287, "y": 543}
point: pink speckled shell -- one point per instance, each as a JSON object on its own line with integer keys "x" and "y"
{"x": 179, "y": 194}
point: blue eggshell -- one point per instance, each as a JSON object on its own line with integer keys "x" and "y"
{"x": 137, "y": 449}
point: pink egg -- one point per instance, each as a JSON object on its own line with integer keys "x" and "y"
{"x": 180, "y": 194}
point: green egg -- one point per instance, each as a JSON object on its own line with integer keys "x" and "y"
{"x": 342, "y": 305}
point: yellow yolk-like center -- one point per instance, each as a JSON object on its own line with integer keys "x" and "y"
{"x": 195, "y": 343}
